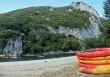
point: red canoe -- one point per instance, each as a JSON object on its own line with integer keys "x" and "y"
{"x": 94, "y": 54}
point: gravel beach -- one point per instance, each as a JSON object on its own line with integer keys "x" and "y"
{"x": 56, "y": 67}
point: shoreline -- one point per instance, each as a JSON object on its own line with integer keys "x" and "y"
{"x": 40, "y": 60}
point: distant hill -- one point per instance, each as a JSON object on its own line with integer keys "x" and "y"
{"x": 46, "y": 16}
{"x": 32, "y": 24}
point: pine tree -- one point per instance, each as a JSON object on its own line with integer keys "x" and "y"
{"x": 107, "y": 8}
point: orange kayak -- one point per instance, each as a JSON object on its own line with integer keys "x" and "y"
{"x": 103, "y": 69}
{"x": 87, "y": 65}
{"x": 93, "y": 54}
{"x": 102, "y": 49}
{"x": 95, "y": 62}
{"x": 96, "y": 58}
{"x": 91, "y": 65}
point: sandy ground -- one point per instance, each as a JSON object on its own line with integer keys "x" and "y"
{"x": 37, "y": 68}
{"x": 60, "y": 67}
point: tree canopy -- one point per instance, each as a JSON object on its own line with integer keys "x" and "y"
{"x": 107, "y": 8}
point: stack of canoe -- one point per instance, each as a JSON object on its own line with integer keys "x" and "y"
{"x": 95, "y": 62}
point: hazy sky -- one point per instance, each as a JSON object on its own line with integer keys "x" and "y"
{"x": 9, "y": 5}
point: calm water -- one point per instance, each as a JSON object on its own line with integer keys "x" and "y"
{"x": 26, "y": 58}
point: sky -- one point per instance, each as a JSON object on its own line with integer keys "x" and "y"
{"x": 9, "y": 5}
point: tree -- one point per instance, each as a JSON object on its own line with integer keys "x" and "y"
{"x": 106, "y": 32}
{"x": 95, "y": 42}
{"x": 107, "y": 8}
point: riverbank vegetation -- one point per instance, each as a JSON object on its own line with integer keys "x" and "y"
{"x": 104, "y": 39}
{"x": 32, "y": 24}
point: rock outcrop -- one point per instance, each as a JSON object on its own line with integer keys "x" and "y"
{"x": 93, "y": 29}
{"x": 13, "y": 48}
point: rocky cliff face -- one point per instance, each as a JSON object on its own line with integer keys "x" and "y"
{"x": 92, "y": 31}
{"x": 13, "y": 47}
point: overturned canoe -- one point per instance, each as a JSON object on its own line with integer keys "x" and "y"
{"x": 96, "y": 58}
{"x": 102, "y": 49}
{"x": 91, "y": 65}
{"x": 94, "y": 54}
{"x": 87, "y": 65}
{"x": 103, "y": 69}
{"x": 95, "y": 62}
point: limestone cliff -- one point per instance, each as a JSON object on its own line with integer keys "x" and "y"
{"x": 91, "y": 31}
